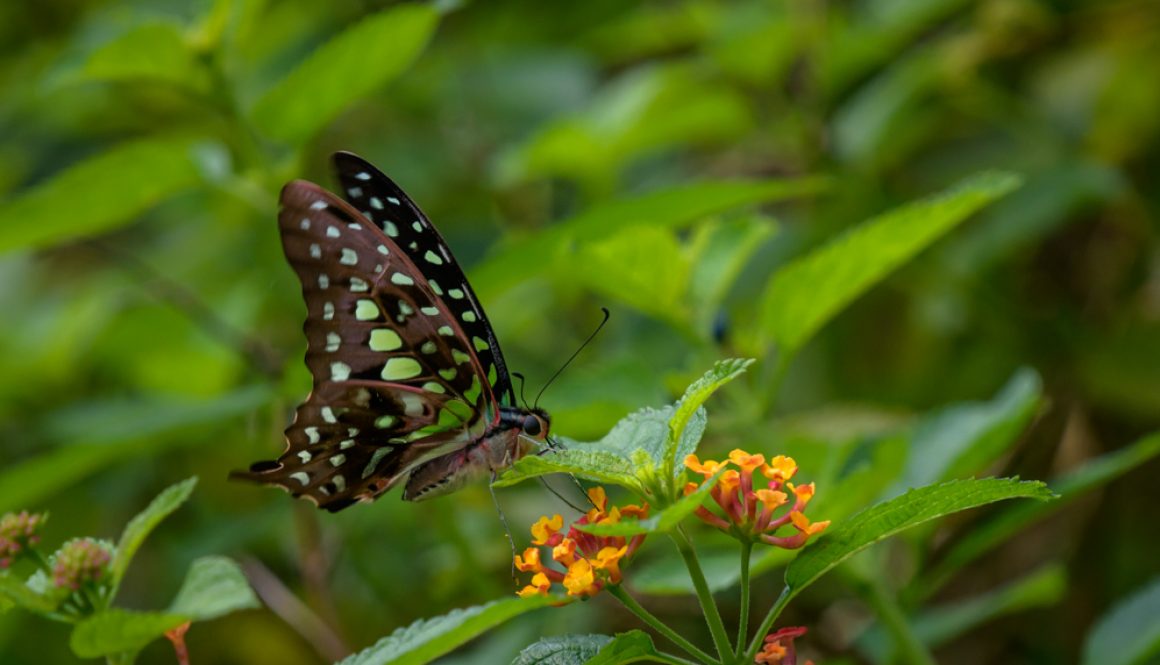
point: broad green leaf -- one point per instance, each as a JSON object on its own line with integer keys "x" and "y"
{"x": 562, "y": 650}
{"x": 1129, "y": 633}
{"x": 885, "y": 519}
{"x": 595, "y": 465}
{"x": 672, "y": 208}
{"x": 648, "y": 429}
{"x": 16, "y": 592}
{"x": 677, "y": 446}
{"x": 345, "y": 69}
{"x": 961, "y": 439}
{"x": 663, "y": 521}
{"x": 213, "y": 586}
{"x": 427, "y": 639}
{"x": 98, "y": 194}
{"x": 102, "y": 432}
{"x": 939, "y": 624}
{"x": 1069, "y": 487}
{"x": 117, "y": 630}
{"x": 631, "y": 647}
{"x": 808, "y": 292}
{"x": 139, "y": 528}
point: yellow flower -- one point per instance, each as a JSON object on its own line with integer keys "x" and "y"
{"x": 707, "y": 469}
{"x": 803, "y": 524}
{"x": 539, "y": 586}
{"x": 580, "y": 579}
{"x": 780, "y": 468}
{"x": 565, "y": 552}
{"x": 529, "y": 561}
{"x": 746, "y": 461}
{"x": 608, "y": 559}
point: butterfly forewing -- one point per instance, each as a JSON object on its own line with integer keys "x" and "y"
{"x": 402, "y": 370}
{"x": 392, "y": 211}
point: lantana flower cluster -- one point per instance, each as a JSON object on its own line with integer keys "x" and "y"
{"x": 19, "y": 532}
{"x": 779, "y": 648}
{"x": 749, "y": 494}
{"x": 589, "y": 561}
{"x": 81, "y": 561}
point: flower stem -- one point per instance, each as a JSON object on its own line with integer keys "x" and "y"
{"x": 712, "y": 616}
{"x": 767, "y": 624}
{"x": 743, "y": 622}
{"x": 656, "y": 624}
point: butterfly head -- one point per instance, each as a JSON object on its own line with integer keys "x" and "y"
{"x": 536, "y": 424}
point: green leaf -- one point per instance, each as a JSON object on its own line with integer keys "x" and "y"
{"x": 345, "y": 69}
{"x": 645, "y": 429}
{"x": 898, "y": 514}
{"x": 138, "y": 528}
{"x": 961, "y": 439}
{"x": 601, "y": 466}
{"x": 213, "y": 586}
{"x": 170, "y": 58}
{"x": 673, "y": 208}
{"x": 1129, "y": 633}
{"x": 630, "y": 647}
{"x": 677, "y": 446}
{"x": 427, "y": 639}
{"x": 562, "y": 650}
{"x": 808, "y": 292}
{"x": 720, "y": 249}
{"x": 661, "y": 522}
{"x": 14, "y": 591}
{"x": 1069, "y": 487}
{"x": 117, "y": 630}
{"x": 98, "y": 194}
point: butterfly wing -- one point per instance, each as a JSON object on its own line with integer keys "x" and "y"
{"x": 397, "y": 378}
{"x": 396, "y": 215}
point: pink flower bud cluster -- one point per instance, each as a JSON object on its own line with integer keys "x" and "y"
{"x": 18, "y": 532}
{"x": 80, "y": 561}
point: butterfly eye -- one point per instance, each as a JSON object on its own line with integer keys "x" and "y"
{"x": 532, "y": 425}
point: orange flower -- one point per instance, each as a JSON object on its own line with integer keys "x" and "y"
{"x": 589, "y": 561}
{"x": 745, "y": 510}
{"x": 544, "y": 530}
{"x": 779, "y": 648}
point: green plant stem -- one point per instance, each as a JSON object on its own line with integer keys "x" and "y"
{"x": 743, "y": 621}
{"x": 656, "y": 624}
{"x": 910, "y": 648}
{"x": 670, "y": 659}
{"x": 712, "y": 616}
{"x": 766, "y": 624}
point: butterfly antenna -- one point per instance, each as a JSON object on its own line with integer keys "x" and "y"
{"x": 520, "y": 376}
{"x": 553, "y": 490}
{"x": 572, "y": 357}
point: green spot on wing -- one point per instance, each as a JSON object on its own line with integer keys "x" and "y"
{"x": 385, "y": 339}
{"x": 401, "y": 368}
{"x": 366, "y": 310}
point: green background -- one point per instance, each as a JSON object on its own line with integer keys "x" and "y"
{"x": 664, "y": 160}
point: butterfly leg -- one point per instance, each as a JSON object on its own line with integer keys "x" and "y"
{"x": 503, "y": 520}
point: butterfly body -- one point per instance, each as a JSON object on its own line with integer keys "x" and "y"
{"x": 409, "y": 379}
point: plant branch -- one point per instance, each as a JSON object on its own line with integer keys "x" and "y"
{"x": 767, "y": 624}
{"x": 656, "y": 624}
{"x": 712, "y": 616}
{"x": 743, "y": 621}
{"x": 909, "y": 647}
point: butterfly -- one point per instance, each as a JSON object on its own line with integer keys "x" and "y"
{"x": 409, "y": 379}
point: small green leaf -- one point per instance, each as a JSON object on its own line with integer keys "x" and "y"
{"x": 427, "y": 639}
{"x": 117, "y": 630}
{"x": 805, "y": 294}
{"x": 720, "y": 249}
{"x": 885, "y": 519}
{"x": 1129, "y": 633}
{"x": 646, "y": 429}
{"x": 597, "y": 465}
{"x": 677, "y": 446}
{"x": 661, "y": 522}
{"x": 138, "y": 529}
{"x": 98, "y": 194}
{"x": 630, "y": 647}
{"x": 562, "y": 650}
{"x": 170, "y": 58}
{"x": 348, "y": 67}
{"x": 213, "y": 586}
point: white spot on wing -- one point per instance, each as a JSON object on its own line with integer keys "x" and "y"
{"x": 362, "y": 175}
{"x": 358, "y": 285}
{"x": 332, "y": 232}
{"x": 355, "y": 192}
{"x": 318, "y": 205}
{"x": 349, "y": 257}
{"x": 315, "y": 251}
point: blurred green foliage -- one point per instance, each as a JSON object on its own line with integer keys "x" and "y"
{"x": 678, "y": 162}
